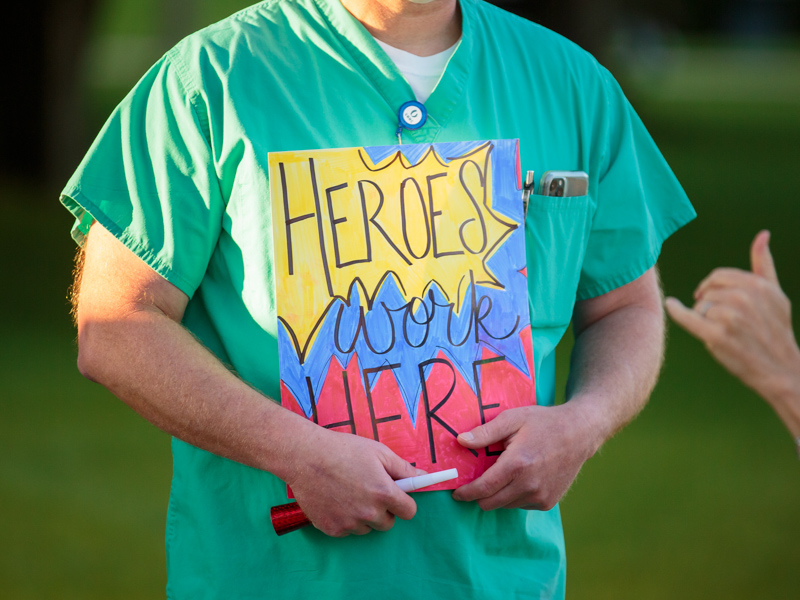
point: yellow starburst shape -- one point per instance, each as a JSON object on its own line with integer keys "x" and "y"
{"x": 340, "y": 221}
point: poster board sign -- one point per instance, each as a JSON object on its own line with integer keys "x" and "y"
{"x": 402, "y": 295}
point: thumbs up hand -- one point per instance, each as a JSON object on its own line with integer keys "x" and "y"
{"x": 744, "y": 319}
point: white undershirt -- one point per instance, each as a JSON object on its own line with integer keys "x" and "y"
{"x": 421, "y": 72}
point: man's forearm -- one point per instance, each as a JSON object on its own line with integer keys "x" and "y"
{"x": 614, "y": 367}
{"x": 159, "y": 369}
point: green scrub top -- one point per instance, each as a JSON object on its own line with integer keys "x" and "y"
{"x": 179, "y": 175}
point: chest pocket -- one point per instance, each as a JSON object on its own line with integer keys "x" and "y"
{"x": 556, "y": 234}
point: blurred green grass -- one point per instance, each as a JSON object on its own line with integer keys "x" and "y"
{"x": 84, "y": 482}
{"x": 697, "y": 498}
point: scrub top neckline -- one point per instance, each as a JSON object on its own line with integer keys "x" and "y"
{"x": 390, "y": 83}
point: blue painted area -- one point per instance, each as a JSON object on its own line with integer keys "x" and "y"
{"x": 413, "y": 153}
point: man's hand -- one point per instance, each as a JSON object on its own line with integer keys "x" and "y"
{"x": 345, "y": 483}
{"x": 745, "y": 321}
{"x": 617, "y": 354}
{"x": 543, "y": 450}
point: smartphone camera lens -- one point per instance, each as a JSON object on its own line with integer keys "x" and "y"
{"x": 557, "y": 187}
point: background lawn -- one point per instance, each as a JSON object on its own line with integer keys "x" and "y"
{"x": 698, "y": 498}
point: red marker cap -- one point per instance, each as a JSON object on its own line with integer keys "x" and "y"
{"x": 288, "y": 517}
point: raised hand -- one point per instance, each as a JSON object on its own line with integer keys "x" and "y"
{"x": 744, "y": 319}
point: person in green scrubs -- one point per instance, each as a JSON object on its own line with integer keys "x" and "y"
{"x": 176, "y": 302}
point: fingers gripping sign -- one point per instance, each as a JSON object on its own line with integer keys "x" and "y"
{"x": 543, "y": 453}
{"x": 345, "y": 484}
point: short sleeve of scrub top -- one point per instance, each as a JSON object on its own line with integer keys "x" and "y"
{"x": 149, "y": 179}
{"x": 639, "y": 202}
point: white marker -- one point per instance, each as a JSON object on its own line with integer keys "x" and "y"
{"x": 410, "y": 484}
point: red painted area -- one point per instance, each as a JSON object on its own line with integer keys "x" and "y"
{"x": 447, "y": 406}
{"x": 398, "y": 434}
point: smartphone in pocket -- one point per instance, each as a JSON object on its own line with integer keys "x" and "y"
{"x": 564, "y": 183}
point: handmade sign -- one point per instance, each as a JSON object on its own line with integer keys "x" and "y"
{"x": 401, "y": 294}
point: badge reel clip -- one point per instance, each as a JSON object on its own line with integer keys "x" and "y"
{"x": 412, "y": 115}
